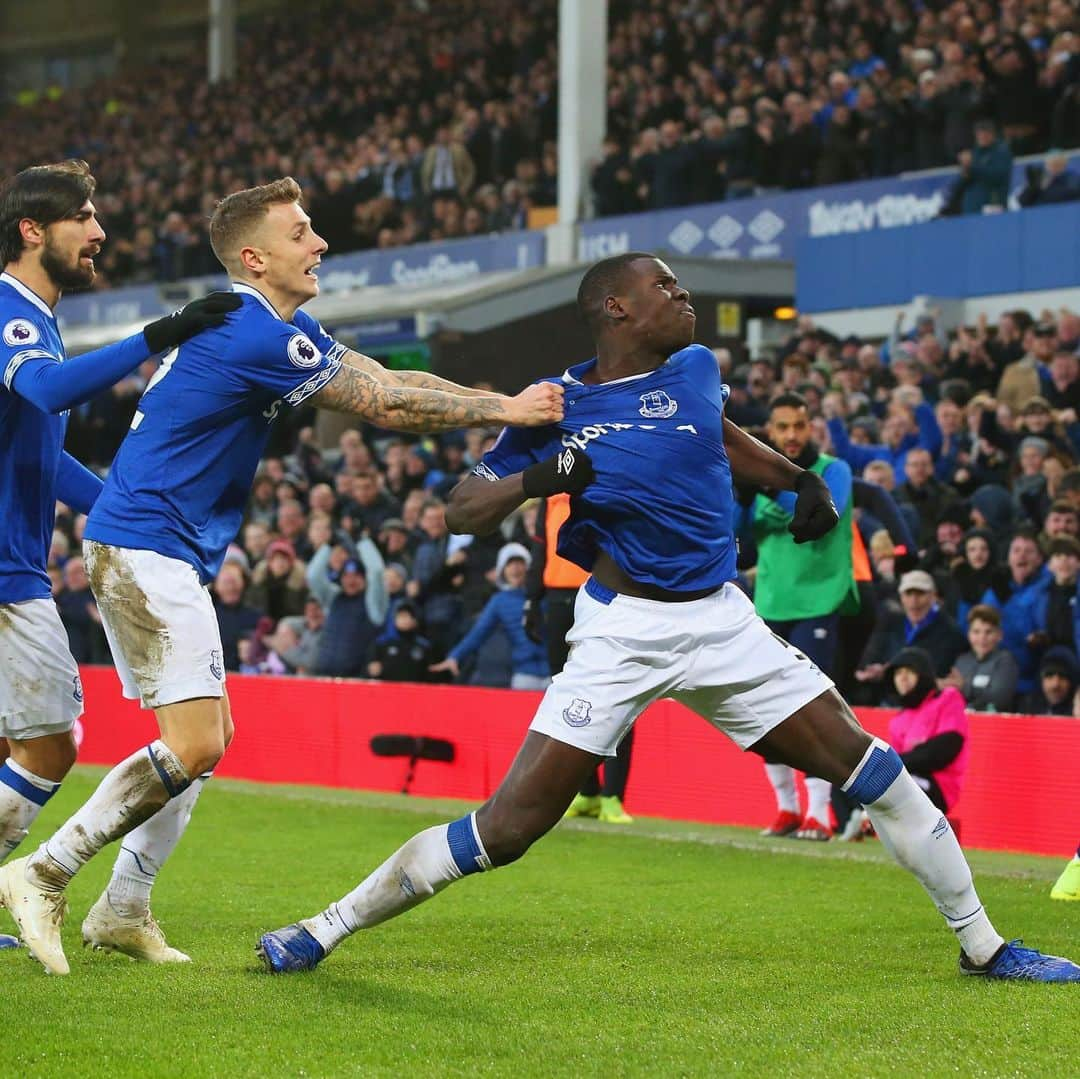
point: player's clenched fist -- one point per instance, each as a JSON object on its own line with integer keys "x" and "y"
{"x": 815, "y": 513}
{"x": 568, "y": 472}
{"x": 537, "y": 405}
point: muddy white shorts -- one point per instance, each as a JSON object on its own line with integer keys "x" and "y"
{"x": 40, "y": 691}
{"x": 160, "y": 624}
{"x": 714, "y": 655}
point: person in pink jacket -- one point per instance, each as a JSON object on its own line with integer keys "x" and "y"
{"x": 930, "y": 733}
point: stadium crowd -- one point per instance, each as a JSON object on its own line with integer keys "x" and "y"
{"x": 434, "y": 121}
{"x": 972, "y": 435}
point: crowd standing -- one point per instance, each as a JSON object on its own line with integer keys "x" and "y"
{"x": 434, "y": 121}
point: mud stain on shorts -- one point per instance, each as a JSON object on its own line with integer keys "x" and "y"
{"x": 142, "y": 636}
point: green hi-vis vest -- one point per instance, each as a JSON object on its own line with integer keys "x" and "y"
{"x": 802, "y": 580}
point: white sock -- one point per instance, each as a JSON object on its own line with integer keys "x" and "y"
{"x": 818, "y": 795}
{"x": 425, "y": 865}
{"x": 918, "y": 836}
{"x": 22, "y": 795}
{"x": 145, "y": 850}
{"x": 782, "y": 779}
{"x": 133, "y": 791}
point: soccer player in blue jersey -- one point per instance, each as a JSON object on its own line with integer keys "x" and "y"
{"x": 49, "y": 236}
{"x": 157, "y": 535}
{"x": 651, "y": 518}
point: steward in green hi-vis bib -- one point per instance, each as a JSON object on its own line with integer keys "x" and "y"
{"x": 802, "y": 580}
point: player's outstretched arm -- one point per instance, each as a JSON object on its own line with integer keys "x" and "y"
{"x": 478, "y": 504}
{"x": 53, "y": 386}
{"x": 755, "y": 463}
{"x": 403, "y": 408}
{"x": 418, "y": 380}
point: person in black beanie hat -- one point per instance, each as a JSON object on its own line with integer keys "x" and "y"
{"x": 1057, "y": 684}
{"x": 978, "y": 570}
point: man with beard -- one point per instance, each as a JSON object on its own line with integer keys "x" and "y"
{"x": 49, "y": 238}
{"x": 801, "y": 590}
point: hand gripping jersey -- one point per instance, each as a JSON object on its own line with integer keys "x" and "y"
{"x": 661, "y": 504}
{"x": 181, "y": 479}
{"x": 31, "y": 442}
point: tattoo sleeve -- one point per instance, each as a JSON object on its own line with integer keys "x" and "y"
{"x": 406, "y": 408}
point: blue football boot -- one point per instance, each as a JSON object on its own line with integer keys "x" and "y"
{"x": 289, "y": 950}
{"x": 1013, "y": 963}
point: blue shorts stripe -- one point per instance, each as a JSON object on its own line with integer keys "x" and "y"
{"x": 21, "y": 785}
{"x": 599, "y": 592}
{"x": 876, "y": 776}
{"x": 463, "y": 846}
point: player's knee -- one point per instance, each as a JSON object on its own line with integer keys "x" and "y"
{"x": 506, "y": 837}
{"x": 50, "y": 757}
{"x": 201, "y": 754}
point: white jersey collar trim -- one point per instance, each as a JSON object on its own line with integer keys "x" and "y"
{"x": 249, "y": 290}
{"x": 27, "y": 294}
{"x": 569, "y": 379}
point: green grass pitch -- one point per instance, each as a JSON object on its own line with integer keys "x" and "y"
{"x": 656, "y": 949}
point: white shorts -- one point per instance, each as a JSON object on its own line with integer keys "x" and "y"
{"x": 714, "y": 655}
{"x": 160, "y": 624}
{"x": 40, "y": 691}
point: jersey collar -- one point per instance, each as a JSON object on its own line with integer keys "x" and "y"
{"x": 27, "y": 294}
{"x": 572, "y": 375}
{"x": 248, "y": 290}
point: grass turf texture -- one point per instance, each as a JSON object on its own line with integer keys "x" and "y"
{"x": 655, "y": 949}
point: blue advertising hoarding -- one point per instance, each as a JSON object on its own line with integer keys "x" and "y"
{"x": 771, "y": 226}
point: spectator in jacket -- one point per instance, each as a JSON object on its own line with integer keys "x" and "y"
{"x": 978, "y": 571}
{"x": 1057, "y": 684}
{"x": 929, "y": 496}
{"x": 349, "y": 634}
{"x": 1022, "y": 600}
{"x": 437, "y": 575}
{"x": 403, "y": 653}
{"x": 924, "y": 623}
{"x": 986, "y": 676}
{"x": 1062, "y": 609}
{"x": 505, "y": 610}
{"x": 1052, "y": 184}
{"x": 985, "y": 170}
{"x": 235, "y": 619}
{"x": 902, "y": 431}
{"x": 278, "y": 584}
{"x": 930, "y": 733}
{"x": 303, "y": 657}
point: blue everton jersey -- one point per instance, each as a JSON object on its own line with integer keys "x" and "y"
{"x": 661, "y": 504}
{"x": 31, "y": 442}
{"x": 181, "y": 479}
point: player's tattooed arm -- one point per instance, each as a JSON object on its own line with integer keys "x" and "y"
{"x": 754, "y": 463}
{"x": 419, "y": 380}
{"x": 478, "y": 506}
{"x": 404, "y": 408}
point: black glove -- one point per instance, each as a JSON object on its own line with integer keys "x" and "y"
{"x": 568, "y": 472}
{"x": 815, "y": 514}
{"x": 532, "y": 621}
{"x": 199, "y": 315}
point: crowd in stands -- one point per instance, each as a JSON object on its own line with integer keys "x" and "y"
{"x": 421, "y": 121}
{"x": 970, "y": 433}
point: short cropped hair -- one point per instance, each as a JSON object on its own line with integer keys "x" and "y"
{"x": 601, "y": 280}
{"x": 45, "y": 194}
{"x": 236, "y": 214}
{"x": 787, "y": 400}
{"x": 983, "y": 612}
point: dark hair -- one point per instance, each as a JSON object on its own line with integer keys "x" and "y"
{"x": 1070, "y": 481}
{"x": 601, "y": 280}
{"x": 788, "y": 400}
{"x": 983, "y": 612}
{"x": 44, "y": 194}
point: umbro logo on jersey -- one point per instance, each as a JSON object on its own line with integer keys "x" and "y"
{"x": 657, "y": 405}
{"x": 21, "y": 331}
{"x": 566, "y": 463}
{"x": 302, "y": 353}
